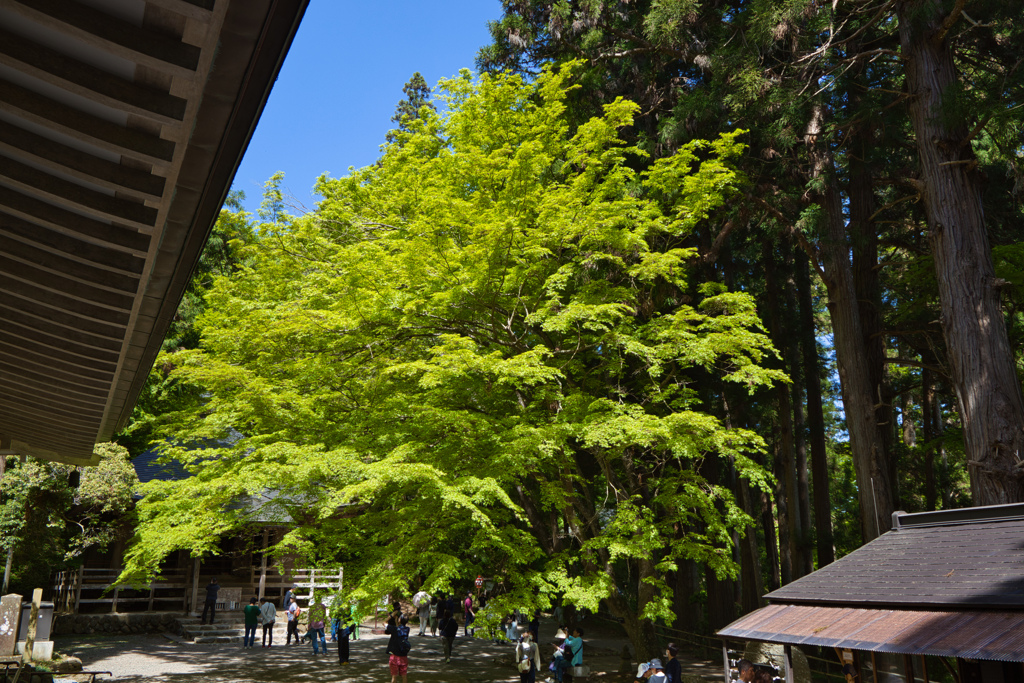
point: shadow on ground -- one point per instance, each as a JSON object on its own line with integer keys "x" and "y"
{"x": 474, "y": 660}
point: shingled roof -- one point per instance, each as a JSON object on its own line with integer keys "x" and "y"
{"x": 948, "y": 559}
{"x": 947, "y": 583}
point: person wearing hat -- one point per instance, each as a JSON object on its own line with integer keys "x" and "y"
{"x": 652, "y": 671}
{"x": 527, "y": 658}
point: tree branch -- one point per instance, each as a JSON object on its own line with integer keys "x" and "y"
{"x": 950, "y": 21}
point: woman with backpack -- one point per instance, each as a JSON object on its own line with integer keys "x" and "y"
{"x": 527, "y": 659}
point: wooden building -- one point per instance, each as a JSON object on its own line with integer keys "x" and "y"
{"x": 242, "y": 567}
{"x": 938, "y": 597}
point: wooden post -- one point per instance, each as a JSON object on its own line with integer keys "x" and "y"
{"x": 788, "y": 651}
{"x": 5, "y": 445}
{"x": 152, "y": 590}
{"x": 113, "y": 603}
{"x": 263, "y": 564}
{"x": 195, "y": 586}
{"x": 78, "y": 587}
{"x": 33, "y": 622}
{"x": 725, "y": 660}
{"x": 341, "y": 579}
{"x": 312, "y": 586}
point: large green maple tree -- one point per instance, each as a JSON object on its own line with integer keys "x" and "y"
{"x": 478, "y": 355}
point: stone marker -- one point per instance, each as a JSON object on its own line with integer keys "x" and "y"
{"x": 10, "y": 613}
{"x": 33, "y": 621}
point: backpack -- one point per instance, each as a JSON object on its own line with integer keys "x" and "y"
{"x": 403, "y": 647}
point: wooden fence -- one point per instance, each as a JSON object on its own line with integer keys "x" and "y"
{"x": 85, "y": 586}
{"x": 171, "y": 590}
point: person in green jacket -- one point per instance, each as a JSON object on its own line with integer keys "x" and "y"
{"x": 252, "y": 619}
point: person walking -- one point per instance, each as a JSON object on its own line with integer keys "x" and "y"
{"x": 398, "y": 647}
{"x": 449, "y": 629}
{"x": 673, "y": 669}
{"x": 434, "y": 610}
{"x": 344, "y": 632}
{"x": 268, "y": 614}
{"x": 211, "y": 600}
{"x": 470, "y": 615}
{"x": 422, "y": 602}
{"x": 527, "y": 659}
{"x": 317, "y": 621}
{"x": 251, "y": 613}
{"x": 293, "y": 622}
{"x": 512, "y": 628}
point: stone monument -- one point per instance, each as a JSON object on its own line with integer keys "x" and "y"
{"x": 10, "y": 613}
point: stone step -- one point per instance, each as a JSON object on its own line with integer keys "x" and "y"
{"x": 218, "y": 639}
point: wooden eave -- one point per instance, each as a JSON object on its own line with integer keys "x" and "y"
{"x": 122, "y": 123}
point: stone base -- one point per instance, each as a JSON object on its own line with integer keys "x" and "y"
{"x": 116, "y": 623}
{"x": 41, "y": 649}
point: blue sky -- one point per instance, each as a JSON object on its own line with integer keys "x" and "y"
{"x": 337, "y": 90}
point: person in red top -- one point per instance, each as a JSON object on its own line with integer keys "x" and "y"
{"x": 467, "y": 605}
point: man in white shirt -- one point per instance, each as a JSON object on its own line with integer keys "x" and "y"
{"x": 293, "y": 622}
{"x": 268, "y": 615}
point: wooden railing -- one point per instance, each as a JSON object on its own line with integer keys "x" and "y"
{"x": 83, "y": 586}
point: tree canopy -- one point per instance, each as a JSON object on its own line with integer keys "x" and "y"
{"x": 478, "y": 354}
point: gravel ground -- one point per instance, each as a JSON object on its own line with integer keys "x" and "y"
{"x": 160, "y": 660}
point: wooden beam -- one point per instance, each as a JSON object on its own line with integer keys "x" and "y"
{"x": 195, "y": 585}
{"x": 30, "y": 410}
{"x": 88, "y": 81}
{"x": 56, "y": 156}
{"x": 17, "y": 288}
{"x": 65, "y": 192}
{"x": 32, "y": 359}
{"x": 82, "y": 126}
{"x": 193, "y": 9}
{"x": 70, "y": 246}
{"x": 113, "y": 35}
{"x": 88, "y": 273}
{"x": 69, "y": 383}
{"x": 29, "y": 208}
{"x": 76, "y": 288}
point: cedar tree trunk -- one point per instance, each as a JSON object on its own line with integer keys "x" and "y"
{"x": 982, "y": 365}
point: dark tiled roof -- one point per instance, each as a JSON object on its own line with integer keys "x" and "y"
{"x": 148, "y": 469}
{"x": 960, "y": 559}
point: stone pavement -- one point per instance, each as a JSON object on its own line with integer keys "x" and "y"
{"x": 158, "y": 659}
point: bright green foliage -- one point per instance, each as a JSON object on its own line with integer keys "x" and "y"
{"x": 51, "y": 523}
{"x": 478, "y": 355}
